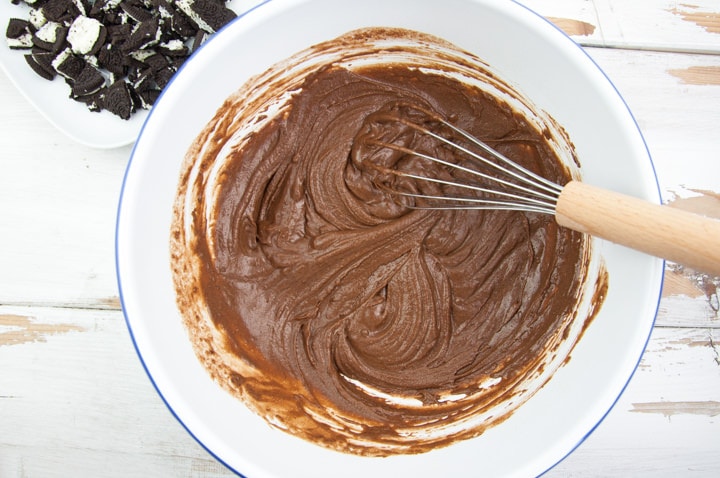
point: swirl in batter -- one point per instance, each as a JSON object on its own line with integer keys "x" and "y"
{"x": 337, "y": 312}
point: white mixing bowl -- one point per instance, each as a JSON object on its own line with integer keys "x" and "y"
{"x": 529, "y": 53}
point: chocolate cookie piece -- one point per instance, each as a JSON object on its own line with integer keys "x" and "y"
{"x": 39, "y": 69}
{"x": 112, "y": 59}
{"x": 208, "y": 15}
{"x": 136, "y": 10}
{"x": 37, "y": 18}
{"x": 51, "y": 36}
{"x": 156, "y": 62}
{"x": 181, "y": 25}
{"x": 68, "y": 65}
{"x": 118, "y": 100}
{"x": 93, "y": 101}
{"x": 16, "y": 28}
{"x": 118, "y": 34}
{"x": 21, "y": 43}
{"x": 44, "y": 59}
{"x": 61, "y": 11}
{"x": 89, "y": 81}
{"x": 99, "y": 7}
{"x": 199, "y": 39}
{"x": 18, "y": 34}
{"x": 145, "y": 35}
{"x": 148, "y": 97}
{"x": 163, "y": 76}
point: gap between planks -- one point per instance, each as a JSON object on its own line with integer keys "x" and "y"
{"x": 103, "y": 304}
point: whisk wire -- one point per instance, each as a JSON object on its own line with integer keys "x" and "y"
{"x": 534, "y": 193}
{"x": 476, "y": 204}
{"x": 529, "y": 177}
{"x": 517, "y": 203}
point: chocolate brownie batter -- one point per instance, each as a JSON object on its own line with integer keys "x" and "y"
{"x": 332, "y": 308}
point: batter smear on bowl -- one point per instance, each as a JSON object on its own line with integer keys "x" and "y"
{"x": 329, "y": 307}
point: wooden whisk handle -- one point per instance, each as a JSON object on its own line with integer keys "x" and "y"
{"x": 662, "y": 231}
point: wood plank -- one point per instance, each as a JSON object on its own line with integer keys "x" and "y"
{"x": 689, "y": 299}
{"x": 666, "y": 423}
{"x": 57, "y": 214}
{"x": 692, "y": 26}
{"x": 678, "y": 120}
{"x": 79, "y": 403}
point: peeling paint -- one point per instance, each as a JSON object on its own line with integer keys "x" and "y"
{"x": 110, "y": 303}
{"x": 709, "y": 408}
{"x": 682, "y": 281}
{"x": 688, "y": 342}
{"x": 700, "y": 201}
{"x": 20, "y": 329}
{"x": 698, "y": 75}
{"x": 573, "y": 27}
{"x": 715, "y": 347}
{"x": 709, "y": 21}
{"x": 679, "y": 280}
{"x": 677, "y": 283}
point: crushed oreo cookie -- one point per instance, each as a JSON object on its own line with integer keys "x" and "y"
{"x": 115, "y": 55}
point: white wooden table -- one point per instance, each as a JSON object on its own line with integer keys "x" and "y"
{"x": 75, "y": 401}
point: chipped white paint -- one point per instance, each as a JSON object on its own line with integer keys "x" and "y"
{"x": 75, "y": 396}
{"x": 660, "y": 25}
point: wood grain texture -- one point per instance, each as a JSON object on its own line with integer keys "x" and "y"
{"x": 19, "y": 329}
{"x": 573, "y": 27}
{"x": 707, "y": 18}
{"x": 669, "y": 233}
{"x": 697, "y": 75}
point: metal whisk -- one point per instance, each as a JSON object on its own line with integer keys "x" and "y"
{"x": 495, "y": 182}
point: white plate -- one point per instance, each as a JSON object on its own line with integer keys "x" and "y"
{"x": 51, "y": 98}
{"x": 530, "y": 53}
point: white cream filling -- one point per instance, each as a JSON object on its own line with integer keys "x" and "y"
{"x": 174, "y": 45}
{"x": 48, "y": 32}
{"x": 23, "y": 41}
{"x": 83, "y": 34}
{"x": 36, "y": 17}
